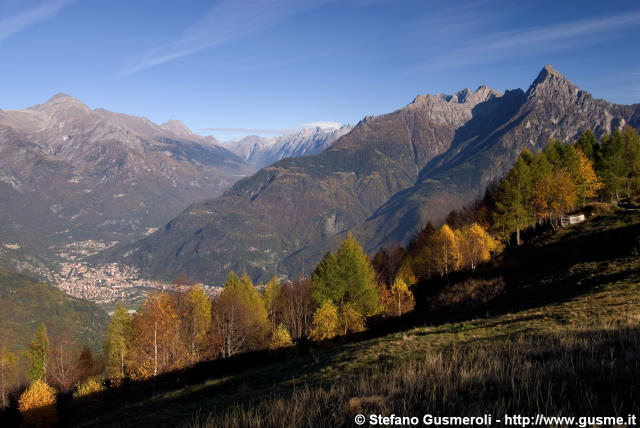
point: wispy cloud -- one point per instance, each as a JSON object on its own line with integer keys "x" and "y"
{"x": 227, "y": 21}
{"x": 550, "y": 38}
{"x": 41, "y": 11}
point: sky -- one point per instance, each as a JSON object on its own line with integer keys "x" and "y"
{"x": 230, "y": 68}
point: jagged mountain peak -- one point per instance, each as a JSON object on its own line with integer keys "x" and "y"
{"x": 551, "y": 82}
{"x": 464, "y": 97}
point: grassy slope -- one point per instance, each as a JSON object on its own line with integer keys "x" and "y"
{"x": 577, "y": 355}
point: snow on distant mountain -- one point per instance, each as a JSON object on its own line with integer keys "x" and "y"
{"x": 309, "y": 140}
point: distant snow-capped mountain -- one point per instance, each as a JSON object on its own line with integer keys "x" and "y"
{"x": 263, "y": 151}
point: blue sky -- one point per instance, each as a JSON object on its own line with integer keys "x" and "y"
{"x": 234, "y": 67}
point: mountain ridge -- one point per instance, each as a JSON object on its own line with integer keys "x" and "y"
{"x": 382, "y": 181}
{"x": 70, "y": 173}
{"x": 263, "y": 151}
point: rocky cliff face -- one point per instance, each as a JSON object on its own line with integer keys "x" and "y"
{"x": 263, "y": 151}
{"x": 69, "y": 173}
{"x": 382, "y": 180}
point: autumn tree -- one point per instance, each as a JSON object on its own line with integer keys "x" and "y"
{"x": 409, "y": 266}
{"x": 38, "y": 354}
{"x": 280, "y": 338}
{"x": 270, "y": 296}
{"x": 196, "y": 319}
{"x": 422, "y": 265}
{"x": 239, "y": 318}
{"x": 118, "y": 342}
{"x": 325, "y": 322}
{"x": 387, "y": 261}
{"x": 555, "y": 194}
{"x": 62, "y": 364}
{"x": 398, "y": 300}
{"x": 475, "y": 245}
{"x": 445, "y": 250}
{"x": 156, "y": 332}
{"x": 347, "y": 277}
{"x": 295, "y": 307}
{"x": 351, "y": 321}
{"x": 37, "y": 404}
{"x": 8, "y": 375}
{"x": 587, "y": 184}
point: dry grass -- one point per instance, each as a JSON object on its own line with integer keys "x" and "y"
{"x": 567, "y": 359}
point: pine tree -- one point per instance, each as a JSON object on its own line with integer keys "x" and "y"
{"x": 611, "y": 165}
{"x": 588, "y": 144}
{"x": 347, "y": 277}
{"x": 117, "y": 342}
{"x": 271, "y": 292}
{"x": 38, "y": 354}
{"x": 631, "y": 156}
{"x": 513, "y": 200}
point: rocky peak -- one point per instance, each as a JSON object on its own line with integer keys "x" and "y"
{"x": 61, "y": 105}
{"x": 550, "y": 82}
{"x": 176, "y": 126}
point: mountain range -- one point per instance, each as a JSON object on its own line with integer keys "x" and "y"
{"x": 263, "y": 151}
{"x": 71, "y": 174}
{"x": 382, "y": 181}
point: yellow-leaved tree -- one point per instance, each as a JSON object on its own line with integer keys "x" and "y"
{"x": 280, "y": 338}
{"x": 445, "y": 250}
{"x": 588, "y": 184}
{"x": 325, "y": 322}
{"x": 239, "y": 317}
{"x": 398, "y": 300}
{"x": 37, "y": 405}
{"x": 475, "y": 245}
{"x": 351, "y": 320}
{"x": 555, "y": 194}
